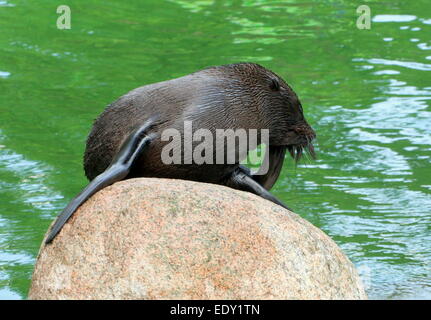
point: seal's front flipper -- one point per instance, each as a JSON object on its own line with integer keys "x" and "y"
{"x": 117, "y": 170}
{"x": 275, "y": 162}
{"x": 241, "y": 180}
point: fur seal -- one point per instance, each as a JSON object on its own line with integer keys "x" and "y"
{"x": 125, "y": 140}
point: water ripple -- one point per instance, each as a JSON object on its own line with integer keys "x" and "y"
{"x": 405, "y": 64}
{"x": 393, "y": 18}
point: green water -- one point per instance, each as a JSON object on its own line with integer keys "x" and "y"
{"x": 366, "y": 92}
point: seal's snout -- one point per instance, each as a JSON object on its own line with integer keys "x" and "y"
{"x": 300, "y": 134}
{"x": 304, "y": 131}
{"x": 299, "y": 139}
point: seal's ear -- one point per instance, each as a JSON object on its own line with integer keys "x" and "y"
{"x": 274, "y": 85}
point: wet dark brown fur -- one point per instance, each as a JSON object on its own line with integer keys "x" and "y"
{"x": 243, "y": 95}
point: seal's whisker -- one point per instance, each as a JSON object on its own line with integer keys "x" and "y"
{"x": 298, "y": 154}
{"x": 310, "y": 151}
{"x": 291, "y": 151}
{"x": 307, "y": 157}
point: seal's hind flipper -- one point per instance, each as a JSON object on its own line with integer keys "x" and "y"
{"x": 241, "y": 180}
{"x": 118, "y": 170}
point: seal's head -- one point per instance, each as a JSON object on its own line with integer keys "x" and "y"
{"x": 273, "y": 105}
{"x": 290, "y": 123}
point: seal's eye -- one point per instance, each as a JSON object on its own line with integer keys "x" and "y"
{"x": 275, "y": 85}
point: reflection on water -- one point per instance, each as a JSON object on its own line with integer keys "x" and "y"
{"x": 23, "y": 187}
{"x": 29, "y": 180}
{"x": 405, "y": 64}
{"x": 393, "y": 18}
{"x": 366, "y": 92}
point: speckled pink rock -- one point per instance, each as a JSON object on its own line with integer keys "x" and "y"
{"x": 174, "y": 239}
